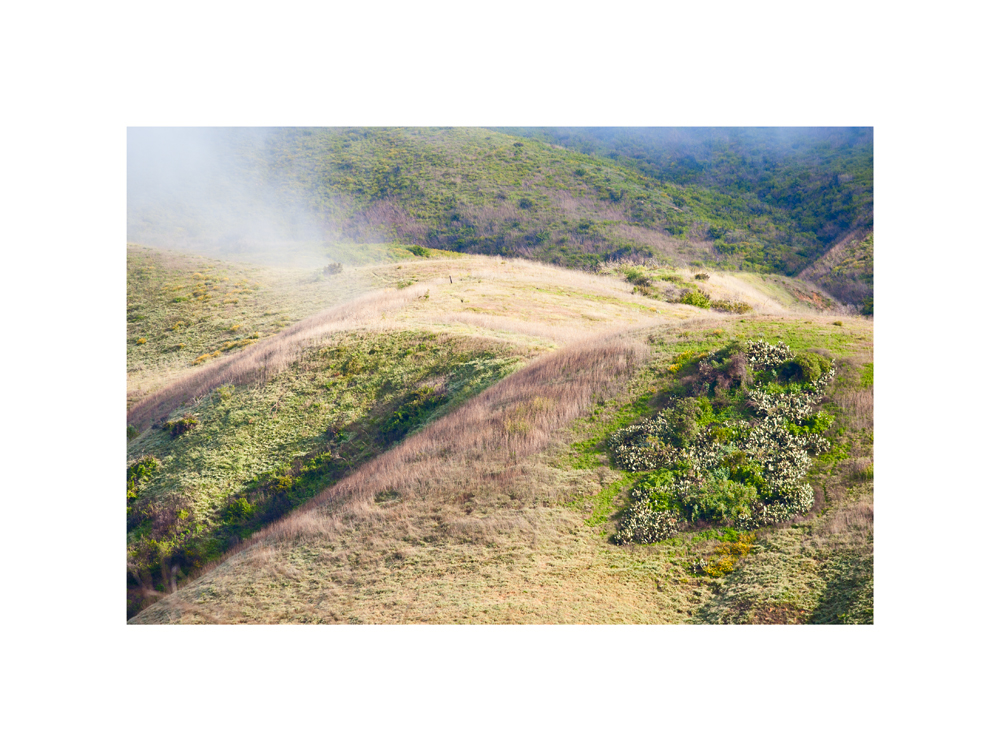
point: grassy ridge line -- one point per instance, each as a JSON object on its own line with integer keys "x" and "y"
{"x": 184, "y": 309}
{"x": 261, "y": 361}
{"x": 530, "y": 288}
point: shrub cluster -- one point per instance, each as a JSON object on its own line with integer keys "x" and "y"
{"x": 333, "y": 268}
{"x": 738, "y": 453}
{"x": 138, "y": 472}
{"x": 642, "y": 523}
{"x": 181, "y": 426}
{"x": 696, "y": 298}
{"x": 732, "y": 306}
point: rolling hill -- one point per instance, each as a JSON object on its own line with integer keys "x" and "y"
{"x": 734, "y": 199}
{"x": 428, "y": 438}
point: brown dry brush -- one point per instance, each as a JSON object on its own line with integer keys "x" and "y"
{"x": 480, "y": 445}
{"x": 260, "y": 362}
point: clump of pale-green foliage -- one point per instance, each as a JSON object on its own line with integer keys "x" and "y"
{"x": 733, "y": 445}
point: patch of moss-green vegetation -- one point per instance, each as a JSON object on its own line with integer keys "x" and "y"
{"x": 251, "y": 454}
{"x": 587, "y": 454}
{"x": 187, "y": 310}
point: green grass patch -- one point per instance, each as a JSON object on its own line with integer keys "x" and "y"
{"x": 604, "y": 503}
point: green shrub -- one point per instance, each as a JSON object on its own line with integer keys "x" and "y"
{"x": 418, "y": 251}
{"x": 816, "y": 424}
{"x": 807, "y": 367}
{"x": 703, "y": 277}
{"x": 138, "y": 472}
{"x": 732, "y": 306}
{"x": 333, "y": 268}
{"x": 637, "y": 276}
{"x": 696, "y": 298}
{"x": 180, "y": 427}
{"x": 718, "y": 499}
{"x": 238, "y": 511}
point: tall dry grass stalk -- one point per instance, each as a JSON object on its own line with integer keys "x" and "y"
{"x": 262, "y": 361}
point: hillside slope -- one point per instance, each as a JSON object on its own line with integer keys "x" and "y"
{"x": 483, "y": 191}
{"x": 246, "y": 432}
{"x": 449, "y": 499}
{"x": 847, "y": 270}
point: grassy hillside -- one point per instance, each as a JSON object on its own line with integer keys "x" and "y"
{"x": 184, "y": 310}
{"x": 250, "y": 426}
{"x": 437, "y": 451}
{"x": 482, "y": 191}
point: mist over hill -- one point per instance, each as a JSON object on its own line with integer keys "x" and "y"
{"x": 768, "y": 200}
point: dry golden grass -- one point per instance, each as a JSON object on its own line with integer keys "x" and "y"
{"x": 859, "y": 406}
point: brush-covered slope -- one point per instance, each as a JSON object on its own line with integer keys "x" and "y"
{"x": 484, "y": 191}
{"x": 847, "y": 271}
{"x": 436, "y": 450}
{"x": 815, "y": 183}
